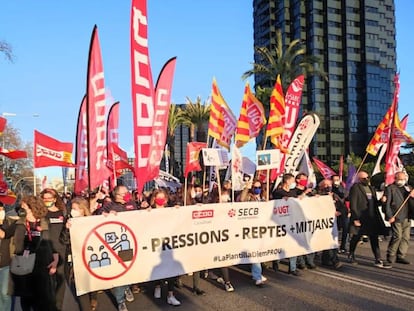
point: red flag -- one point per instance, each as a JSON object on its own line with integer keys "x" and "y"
{"x": 192, "y": 162}
{"x": 325, "y": 170}
{"x": 252, "y": 118}
{"x": 9, "y": 197}
{"x": 81, "y": 171}
{"x": 142, "y": 90}
{"x": 3, "y": 122}
{"x": 13, "y": 154}
{"x": 112, "y": 138}
{"x": 51, "y": 152}
{"x": 120, "y": 158}
{"x": 292, "y": 105}
{"x": 162, "y": 109}
{"x": 391, "y": 158}
{"x": 96, "y": 115}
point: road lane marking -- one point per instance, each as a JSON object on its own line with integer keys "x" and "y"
{"x": 408, "y": 294}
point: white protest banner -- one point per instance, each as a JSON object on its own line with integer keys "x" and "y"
{"x": 215, "y": 157}
{"x": 268, "y": 159}
{"x": 139, "y": 246}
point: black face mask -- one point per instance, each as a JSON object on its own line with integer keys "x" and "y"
{"x": 365, "y": 182}
{"x": 21, "y": 212}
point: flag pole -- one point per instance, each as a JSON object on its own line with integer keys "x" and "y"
{"x": 401, "y": 206}
{"x": 34, "y": 181}
{"x": 185, "y": 190}
{"x": 362, "y": 162}
{"x": 218, "y": 182}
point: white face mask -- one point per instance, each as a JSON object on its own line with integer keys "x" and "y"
{"x": 75, "y": 213}
{"x": 400, "y": 183}
{"x": 292, "y": 186}
{"x": 2, "y": 215}
{"x": 225, "y": 198}
{"x": 336, "y": 182}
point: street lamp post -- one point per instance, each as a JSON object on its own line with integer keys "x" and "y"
{"x": 23, "y": 179}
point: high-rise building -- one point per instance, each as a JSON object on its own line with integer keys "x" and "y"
{"x": 355, "y": 41}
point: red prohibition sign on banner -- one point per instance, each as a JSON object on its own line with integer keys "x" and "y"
{"x": 96, "y": 234}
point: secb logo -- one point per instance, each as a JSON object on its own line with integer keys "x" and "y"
{"x": 244, "y": 212}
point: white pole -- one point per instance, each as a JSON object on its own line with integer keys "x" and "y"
{"x": 34, "y": 182}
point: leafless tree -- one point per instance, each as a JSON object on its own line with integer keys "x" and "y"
{"x": 7, "y": 50}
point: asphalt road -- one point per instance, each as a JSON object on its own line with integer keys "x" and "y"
{"x": 360, "y": 287}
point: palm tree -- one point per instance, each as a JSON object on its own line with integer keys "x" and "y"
{"x": 7, "y": 50}
{"x": 196, "y": 116}
{"x": 175, "y": 119}
{"x": 288, "y": 63}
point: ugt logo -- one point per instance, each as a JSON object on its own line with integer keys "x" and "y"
{"x": 281, "y": 210}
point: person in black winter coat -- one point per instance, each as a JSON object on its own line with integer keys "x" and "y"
{"x": 365, "y": 218}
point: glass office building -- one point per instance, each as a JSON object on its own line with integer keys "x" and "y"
{"x": 356, "y": 42}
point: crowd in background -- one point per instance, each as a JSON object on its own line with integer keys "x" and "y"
{"x": 41, "y": 225}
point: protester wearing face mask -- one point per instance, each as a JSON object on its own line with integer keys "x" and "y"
{"x": 79, "y": 207}
{"x": 330, "y": 256}
{"x": 36, "y": 289}
{"x": 159, "y": 199}
{"x": 304, "y": 190}
{"x": 121, "y": 201}
{"x": 302, "y": 187}
{"x": 255, "y": 194}
{"x": 6, "y": 232}
{"x": 343, "y": 219}
{"x": 56, "y": 215}
{"x": 398, "y": 197}
{"x": 287, "y": 189}
{"x": 195, "y": 195}
{"x": 365, "y": 219}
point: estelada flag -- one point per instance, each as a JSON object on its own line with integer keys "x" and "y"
{"x": 51, "y": 152}
{"x": 192, "y": 156}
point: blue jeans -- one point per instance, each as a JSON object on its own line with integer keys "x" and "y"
{"x": 119, "y": 293}
{"x": 256, "y": 271}
{"x": 5, "y": 299}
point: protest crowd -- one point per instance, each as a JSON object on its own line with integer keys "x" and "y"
{"x": 41, "y": 225}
